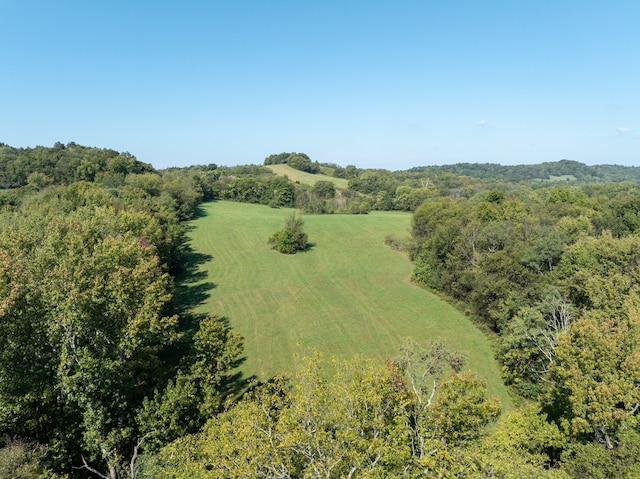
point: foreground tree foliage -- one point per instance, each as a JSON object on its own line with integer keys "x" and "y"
{"x": 86, "y": 327}
{"x": 194, "y": 395}
{"x": 22, "y": 460}
{"x": 95, "y": 301}
{"x": 595, "y": 378}
{"x": 525, "y": 262}
{"x": 364, "y": 422}
{"x": 553, "y": 272}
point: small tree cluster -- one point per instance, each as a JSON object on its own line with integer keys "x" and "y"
{"x": 299, "y": 161}
{"x": 292, "y": 238}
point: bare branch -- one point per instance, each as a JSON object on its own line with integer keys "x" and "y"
{"x": 86, "y": 466}
{"x": 135, "y": 453}
{"x": 433, "y": 392}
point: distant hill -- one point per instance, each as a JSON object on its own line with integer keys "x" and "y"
{"x": 564, "y": 170}
{"x": 64, "y": 164}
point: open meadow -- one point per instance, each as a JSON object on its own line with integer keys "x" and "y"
{"x": 348, "y": 294}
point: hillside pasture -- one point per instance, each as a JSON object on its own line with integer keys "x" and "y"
{"x": 304, "y": 177}
{"x": 348, "y": 294}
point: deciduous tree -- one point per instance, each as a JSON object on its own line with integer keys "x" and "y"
{"x": 292, "y": 238}
{"x": 594, "y": 380}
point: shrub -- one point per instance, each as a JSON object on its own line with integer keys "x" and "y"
{"x": 292, "y": 238}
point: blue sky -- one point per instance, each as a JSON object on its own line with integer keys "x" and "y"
{"x": 376, "y": 84}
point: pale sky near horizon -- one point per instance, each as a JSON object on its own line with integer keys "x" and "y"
{"x": 376, "y": 84}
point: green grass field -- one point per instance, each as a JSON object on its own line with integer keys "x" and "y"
{"x": 306, "y": 178}
{"x": 349, "y": 294}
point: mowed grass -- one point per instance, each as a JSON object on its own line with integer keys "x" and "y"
{"x": 306, "y": 178}
{"x": 349, "y": 294}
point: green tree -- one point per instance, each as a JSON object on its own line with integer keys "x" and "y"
{"x": 186, "y": 192}
{"x": 39, "y": 180}
{"x": 324, "y": 189}
{"x": 592, "y": 461}
{"x": 194, "y": 396}
{"x": 308, "y": 427}
{"x": 528, "y": 343}
{"x": 594, "y": 379}
{"x": 302, "y": 162}
{"x": 23, "y": 460}
{"x": 95, "y": 297}
{"x": 282, "y": 191}
{"x": 358, "y": 423}
{"x": 522, "y": 444}
{"x": 292, "y": 238}
{"x": 601, "y": 273}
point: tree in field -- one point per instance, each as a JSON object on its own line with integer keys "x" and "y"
{"x": 292, "y": 238}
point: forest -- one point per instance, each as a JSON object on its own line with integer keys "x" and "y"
{"x": 107, "y": 371}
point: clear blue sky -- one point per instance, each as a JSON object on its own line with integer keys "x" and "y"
{"x": 378, "y": 84}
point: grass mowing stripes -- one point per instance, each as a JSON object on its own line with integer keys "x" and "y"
{"x": 349, "y": 294}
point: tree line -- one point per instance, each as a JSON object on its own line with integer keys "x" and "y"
{"x": 368, "y": 189}
{"x": 563, "y": 170}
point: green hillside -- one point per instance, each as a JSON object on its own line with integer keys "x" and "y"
{"x": 304, "y": 177}
{"x": 349, "y": 294}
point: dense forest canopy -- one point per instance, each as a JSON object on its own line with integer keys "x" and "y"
{"x": 105, "y": 370}
{"x": 561, "y": 170}
{"x": 64, "y": 164}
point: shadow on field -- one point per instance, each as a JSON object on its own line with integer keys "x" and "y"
{"x": 200, "y": 212}
{"x": 233, "y": 385}
{"x": 191, "y": 291}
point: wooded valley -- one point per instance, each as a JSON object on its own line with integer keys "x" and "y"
{"x": 110, "y": 368}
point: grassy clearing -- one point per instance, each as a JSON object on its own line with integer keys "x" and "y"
{"x": 306, "y": 178}
{"x": 349, "y": 294}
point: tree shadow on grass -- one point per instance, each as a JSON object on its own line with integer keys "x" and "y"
{"x": 234, "y": 384}
{"x": 200, "y": 212}
{"x": 191, "y": 288}
{"x": 307, "y": 247}
{"x": 191, "y": 291}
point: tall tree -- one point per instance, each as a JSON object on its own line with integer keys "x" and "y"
{"x": 95, "y": 300}
{"x": 594, "y": 380}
